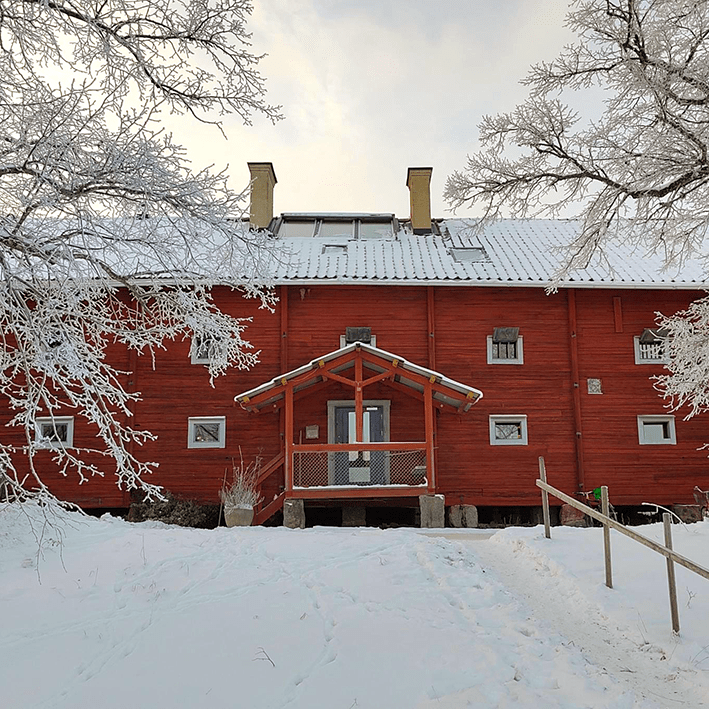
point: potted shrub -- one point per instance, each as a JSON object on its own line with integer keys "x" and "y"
{"x": 240, "y": 496}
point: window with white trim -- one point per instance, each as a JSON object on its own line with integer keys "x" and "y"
{"x": 56, "y": 432}
{"x": 203, "y": 349}
{"x": 508, "y": 430}
{"x": 650, "y": 347}
{"x": 206, "y": 432}
{"x": 504, "y": 346}
{"x": 656, "y": 430}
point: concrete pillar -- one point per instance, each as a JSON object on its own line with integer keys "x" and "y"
{"x": 294, "y": 514}
{"x": 433, "y": 511}
{"x": 463, "y": 516}
{"x": 354, "y": 516}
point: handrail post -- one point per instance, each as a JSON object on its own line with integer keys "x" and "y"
{"x": 605, "y": 508}
{"x": 667, "y": 524}
{"x": 545, "y": 499}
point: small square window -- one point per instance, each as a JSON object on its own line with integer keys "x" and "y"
{"x": 505, "y": 346}
{"x": 650, "y": 347}
{"x": 206, "y": 432}
{"x": 203, "y": 349}
{"x": 656, "y": 430}
{"x": 594, "y": 386}
{"x": 57, "y": 432}
{"x": 508, "y": 430}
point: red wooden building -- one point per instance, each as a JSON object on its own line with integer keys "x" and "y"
{"x": 372, "y": 366}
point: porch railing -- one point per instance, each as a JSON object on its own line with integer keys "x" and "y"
{"x": 360, "y": 465}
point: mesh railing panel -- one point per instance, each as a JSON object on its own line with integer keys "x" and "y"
{"x": 381, "y": 467}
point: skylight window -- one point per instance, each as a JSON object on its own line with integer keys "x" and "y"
{"x": 338, "y": 226}
{"x": 331, "y": 229}
{"x": 295, "y": 229}
{"x": 337, "y": 249}
{"x": 375, "y": 230}
{"x": 474, "y": 254}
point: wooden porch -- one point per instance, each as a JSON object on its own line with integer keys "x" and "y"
{"x": 358, "y": 461}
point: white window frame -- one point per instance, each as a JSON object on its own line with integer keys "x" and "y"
{"x": 670, "y": 420}
{"x": 195, "y": 348}
{"x": 43, "y": 442}
{"x": 194, "y": 421}
{"x": 643, "y": 360}
{"x": 520, "y": 419}
{"x": 517, "y": 360}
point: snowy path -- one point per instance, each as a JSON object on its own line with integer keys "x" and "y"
{"x": 620, "y": 652}
{"x": 316, "y": 619}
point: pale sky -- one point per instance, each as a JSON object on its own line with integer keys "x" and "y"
{"x": 372, "y": 87}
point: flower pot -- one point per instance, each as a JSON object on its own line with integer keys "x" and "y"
{"x": 239, "y": 517}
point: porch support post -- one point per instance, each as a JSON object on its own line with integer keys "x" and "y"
{"x": 359, "y": 417}
{"x": 430, "y": 459}
{"x": 288, "y": 438}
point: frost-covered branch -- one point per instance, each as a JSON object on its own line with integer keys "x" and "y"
{"x": 108, "y": 238}
{"x": 639, "y": 171}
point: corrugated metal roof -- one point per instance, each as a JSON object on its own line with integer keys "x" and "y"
{"x": 519, "y": 252}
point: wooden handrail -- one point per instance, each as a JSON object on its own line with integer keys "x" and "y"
{"x": 659, "y": 548}
{"x": 270, "y": 467}
{"x": 345, "y": 447}
{"x": 269, "y": 510}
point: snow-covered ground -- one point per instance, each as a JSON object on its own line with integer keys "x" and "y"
{"x": 147, "y": 615}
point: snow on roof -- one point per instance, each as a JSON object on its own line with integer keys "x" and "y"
{"x": 509, "y": 252}
{"x": 456, "y": 391}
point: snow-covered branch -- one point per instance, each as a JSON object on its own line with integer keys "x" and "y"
{"x": 639, "y": 171}
{"x": 108, "y": 238}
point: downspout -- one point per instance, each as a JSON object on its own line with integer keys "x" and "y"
{"x": 433, "y": 424}
{"x": 576, "y": 389}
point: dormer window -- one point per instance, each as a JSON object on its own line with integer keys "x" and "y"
{"x": 504, "y": 346}
{"x": 650, "y": 346}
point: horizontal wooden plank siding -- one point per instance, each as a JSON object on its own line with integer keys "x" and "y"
{"x": 469, "y": 469}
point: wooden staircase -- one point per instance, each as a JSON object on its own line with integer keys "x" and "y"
{"x": 263, "y": 512}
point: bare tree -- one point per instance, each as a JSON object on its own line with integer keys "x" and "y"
{"x": 106, "y": 234}
{"x": 639, "y": 172}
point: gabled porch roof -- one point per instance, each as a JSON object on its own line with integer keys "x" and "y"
{"x": 383, "y": 365}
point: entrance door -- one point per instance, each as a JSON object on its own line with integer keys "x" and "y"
{"x": 359, "y": 467}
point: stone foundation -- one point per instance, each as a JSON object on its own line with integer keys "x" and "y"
{"x": 688, "y": 513}
{"x": 294, "y": 514}
{"x": 463, "y": 516}
{"x": 433, "y": 511}
{"x": 571, "y": 517}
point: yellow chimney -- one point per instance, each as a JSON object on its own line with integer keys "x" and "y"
{"x": 418, "y": 180}
{"x": 263, "y": 180}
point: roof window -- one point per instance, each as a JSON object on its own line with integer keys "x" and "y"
{"x": 474, "y": 254}
{"x": 338, "y": 226}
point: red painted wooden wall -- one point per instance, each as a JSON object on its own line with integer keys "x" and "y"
{"x": 586, "y": 439}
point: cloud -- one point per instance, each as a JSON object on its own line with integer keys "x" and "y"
{"x": 371, "y": 88}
